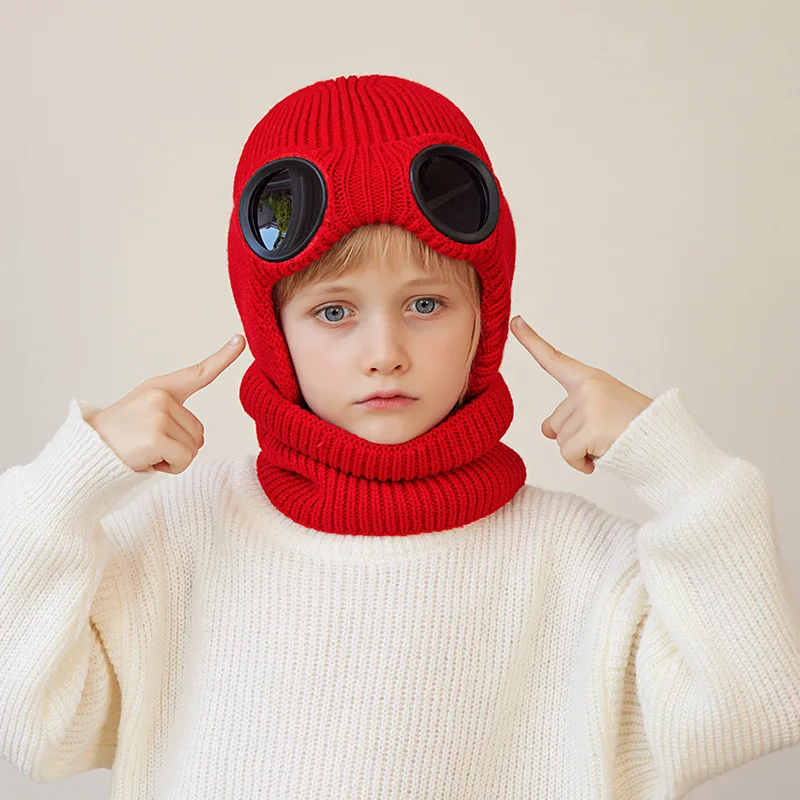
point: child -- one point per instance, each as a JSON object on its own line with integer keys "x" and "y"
{"x": 377, "y": 605}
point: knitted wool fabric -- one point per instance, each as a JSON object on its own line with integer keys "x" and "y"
{"x": 362, "y": 132}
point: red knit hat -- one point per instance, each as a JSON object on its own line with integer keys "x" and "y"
{"x": 362, "y": 132}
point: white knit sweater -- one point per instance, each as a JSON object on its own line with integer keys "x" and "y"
{"x": 201, "y": 645}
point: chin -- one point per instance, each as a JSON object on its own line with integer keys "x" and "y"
{"x": 377, "y": 437}
{"x": 387, "y": 431}
{"x": 394, "y": 431}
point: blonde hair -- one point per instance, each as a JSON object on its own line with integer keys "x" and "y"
{"x": 373, "y": 242}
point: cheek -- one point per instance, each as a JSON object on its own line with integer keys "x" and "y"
{"x": 305, "y": 352}
{"x": 321, "y": 366}
{"x": 445, "y": 356}
{"x": 315, "y": 360}
{"x": 454, "y": 340}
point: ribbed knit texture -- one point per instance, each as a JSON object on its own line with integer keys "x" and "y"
{"x": 363, "y": 133}
{"x": 205, "y": 647}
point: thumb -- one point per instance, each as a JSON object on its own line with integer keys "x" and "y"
{"x": 184, "y": 382}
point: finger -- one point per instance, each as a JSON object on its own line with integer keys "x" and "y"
{"x": 183, "y": 383}
{"x": 174, "y": 430}
{"x": 556, "y": 421}
{"x": 574, "y": 452}
{"x": 568, "y": 429}
{"x": 189, "y": 423}
{"x": 569, "y": 372}
{"x": 175, "y": 453}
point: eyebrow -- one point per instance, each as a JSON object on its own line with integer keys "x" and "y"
{"x": 341, "y": 287}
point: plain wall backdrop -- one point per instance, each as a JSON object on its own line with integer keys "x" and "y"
{"x": 649, "y": 152}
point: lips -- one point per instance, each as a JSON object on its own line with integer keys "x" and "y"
{"x": 388, "y": 395}
{"x": 387, "y": 403}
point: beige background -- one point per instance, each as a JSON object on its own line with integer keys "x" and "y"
{"x": 649, "y": 152}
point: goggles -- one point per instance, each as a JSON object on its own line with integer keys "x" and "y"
{"x": 283, "y": 204}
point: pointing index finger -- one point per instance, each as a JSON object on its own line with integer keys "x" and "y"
{"x": 568, "y": 371}
{"x": 183, "y": 383}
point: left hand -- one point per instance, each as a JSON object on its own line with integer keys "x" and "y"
{"x": 598, "y": 407}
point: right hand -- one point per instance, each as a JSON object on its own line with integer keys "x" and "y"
{"x": 150, "y": 429}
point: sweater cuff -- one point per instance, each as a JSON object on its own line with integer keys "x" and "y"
{"x": 665, "y": 454}
{"x": 77, "y": 473}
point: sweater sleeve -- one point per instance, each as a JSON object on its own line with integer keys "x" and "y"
{"x": 714, "y": 667}
{"x": 59, "y": 697}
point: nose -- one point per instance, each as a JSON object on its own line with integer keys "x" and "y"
{"x": 385, "y": 344}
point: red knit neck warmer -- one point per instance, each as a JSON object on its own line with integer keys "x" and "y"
{"x": 362, "y": 132}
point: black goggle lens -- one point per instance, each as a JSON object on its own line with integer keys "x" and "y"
{"x": 273, "y": 210}
{"x": 452, "y": 192}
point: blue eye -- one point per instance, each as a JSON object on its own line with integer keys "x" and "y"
{"x": 427, "y": 300}
{"x": 329, "y": 308}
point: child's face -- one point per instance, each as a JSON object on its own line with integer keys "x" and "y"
{"x": 380, "y": 333}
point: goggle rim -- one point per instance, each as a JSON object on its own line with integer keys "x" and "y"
{"x": 248, "y": 211}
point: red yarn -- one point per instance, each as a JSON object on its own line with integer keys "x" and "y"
{"x": 363, "y": 132}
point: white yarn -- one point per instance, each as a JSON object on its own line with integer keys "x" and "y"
{"x": 201, "y": 645}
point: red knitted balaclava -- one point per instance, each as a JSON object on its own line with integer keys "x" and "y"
{"x": 362, "y": 132}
